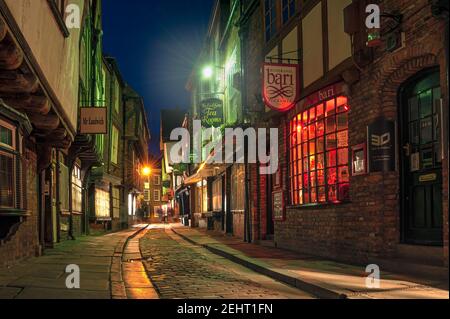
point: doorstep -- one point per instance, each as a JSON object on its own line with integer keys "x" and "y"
{"x": 322, "y": 278}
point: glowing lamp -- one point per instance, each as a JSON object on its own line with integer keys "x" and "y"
{"x": 207, "y": 72}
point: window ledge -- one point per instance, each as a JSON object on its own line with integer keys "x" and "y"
{"x": 318, "y": 206}
{"x": 9, "y": 212}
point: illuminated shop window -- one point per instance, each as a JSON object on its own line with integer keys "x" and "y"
{"x": 102, "y": 206}
{"x": 319, "y": 154}
{"x": 77, "y": 190}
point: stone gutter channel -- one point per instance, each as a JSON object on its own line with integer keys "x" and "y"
{"x": 128, "y": 277}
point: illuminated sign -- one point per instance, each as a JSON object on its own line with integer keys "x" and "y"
{"x": 281, "y": 86}
{"x": 212, "y": 112}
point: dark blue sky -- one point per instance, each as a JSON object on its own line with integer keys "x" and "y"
{"x": 156, "y": 43}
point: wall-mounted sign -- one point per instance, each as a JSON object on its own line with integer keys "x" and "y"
{"x": 281, "y": 86}
{"x": 325, "y": 94}
{"x": 381, "y": 136}
{"x": 211, "y": 112}
{"x": 428, "y": 178}
{"x": 93, "y": 120}
{"x": 278, "y": 207}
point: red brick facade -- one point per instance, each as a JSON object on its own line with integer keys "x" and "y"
{"x": 369, "y": 225}
{"x": 25, "y": 242}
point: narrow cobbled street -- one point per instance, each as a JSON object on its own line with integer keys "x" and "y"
{"x": 179, "y": 269}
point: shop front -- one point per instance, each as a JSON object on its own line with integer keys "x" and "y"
{"x": 366, "y": 184}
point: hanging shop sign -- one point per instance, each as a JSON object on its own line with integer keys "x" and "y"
{"x": 278, "y": 206}
{"x": 382, "y": 137}
{"x": 281, "y": 86}
{"x": 211, "y": 112}
{"x": 93, "y": 120}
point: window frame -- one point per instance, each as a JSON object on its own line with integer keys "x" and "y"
{"x": 13, "y": 153}
{"x": 270, "y": 34}
{"x": 217, "y": 194}
{"x": 115, "y": 138}
{"x": 290, "y": 14}
{"x": 77, "y": 189}
{"x": 296, "y": 164}
{"x": 157, "y": 180}
{"x": 158, "y": 197}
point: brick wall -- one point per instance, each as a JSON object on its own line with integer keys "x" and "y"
{"x": 25, "y": 243}
{"x": 369, "y": 226}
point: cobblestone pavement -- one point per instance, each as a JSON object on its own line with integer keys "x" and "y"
{"x": 179, "y": 269}
{"x": 99, "y": 259}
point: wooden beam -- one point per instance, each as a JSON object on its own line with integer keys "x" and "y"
{"x": 11, "y": 57}
{"x": 3, "y": 30}
{"x": 29, "y": 103}
{"x": 49, "y": 122}
{"x": 12, "y": 82}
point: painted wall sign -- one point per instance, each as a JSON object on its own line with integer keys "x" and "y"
{"x": 93, "y": 120}
{"x": 324, "y": 94}
{"x": 211, "y": 112}
{"x": 278, "y": 207}
{"x": 281, "y": 86}
{"x": 381, "y": 136}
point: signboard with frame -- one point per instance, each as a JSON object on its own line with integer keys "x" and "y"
{"x": 278, "y": 206}
{"x": 211, "y": 112}
{"x": 381, "y": 135}
{"x": 93, "y": 120}
{"x": 281, "y": 86}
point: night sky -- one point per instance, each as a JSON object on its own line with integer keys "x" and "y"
{"x": 156, "y": 43}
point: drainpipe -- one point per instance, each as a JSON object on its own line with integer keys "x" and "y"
{"x": 248, "y": 236}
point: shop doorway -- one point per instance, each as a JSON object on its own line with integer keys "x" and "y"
{"x": 421, "y": 158}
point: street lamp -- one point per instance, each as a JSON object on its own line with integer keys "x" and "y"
{"x": 207, "y": 72}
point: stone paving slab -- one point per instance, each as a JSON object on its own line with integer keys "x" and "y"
{"x": 44, "y": 277}
{"x": 324, "y": 278}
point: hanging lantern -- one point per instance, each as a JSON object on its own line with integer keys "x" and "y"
{"x": 373, "y": 38}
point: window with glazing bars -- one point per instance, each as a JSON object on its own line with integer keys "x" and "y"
{"x": 270, "y": 18}
{"x": 288, "y": 8}
{"x": 319, "y": 154}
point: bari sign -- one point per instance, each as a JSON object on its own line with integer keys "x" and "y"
{"x": 281, "y": 86}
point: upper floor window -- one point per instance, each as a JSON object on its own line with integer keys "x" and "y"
{"x": 288, "y": 8}
{"x": 115, "y": 145}
{"x": 270, "y": 18}
{"x": 157, "y": 180}
{"x": 117, "y": 97}
{"x": 156, "y": 195}
{"x": 319, "y": 155}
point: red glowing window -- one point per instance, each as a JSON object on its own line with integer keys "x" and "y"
{"x": 319, "y": 156}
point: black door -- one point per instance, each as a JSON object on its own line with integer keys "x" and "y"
{"x": 422, "y": 218}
